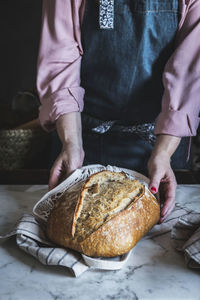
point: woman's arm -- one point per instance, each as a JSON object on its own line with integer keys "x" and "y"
{"x": 161, "y": 174}
{"x": 180, "y": 104}
{"x": 72, "y": 155}
{"x": 59, "y": 60}
{"x": 58, "y": 81}
{"x": 181, "y": 100}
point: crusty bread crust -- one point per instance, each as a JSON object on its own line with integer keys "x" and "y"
{"x": 119, "y": 231}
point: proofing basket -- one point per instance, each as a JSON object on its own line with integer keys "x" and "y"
{"x": 22, "y": 148}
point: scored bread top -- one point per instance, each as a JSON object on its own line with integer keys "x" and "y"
{"x": 104, "y": 216}
{"x": 102, "y": 197}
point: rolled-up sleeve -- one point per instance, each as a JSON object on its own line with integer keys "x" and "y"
{"x": 59, "y": 61}
{"x": 181, "y": 79}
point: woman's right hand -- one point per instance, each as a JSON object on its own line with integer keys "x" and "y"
{"x": 72, "y": 154}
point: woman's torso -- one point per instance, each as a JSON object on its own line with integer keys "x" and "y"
{"x": 122, "y": 68}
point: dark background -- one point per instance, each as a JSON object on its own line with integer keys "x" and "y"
{"x": 20, "y": 23}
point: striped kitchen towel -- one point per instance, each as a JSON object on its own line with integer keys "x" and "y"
{"x": 185, "y": 236}
{"x": 166, "y": 227}
{"x": 184, "y": 227}
{"x": 30, "y": 237}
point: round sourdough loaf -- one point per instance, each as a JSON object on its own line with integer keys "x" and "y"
{"x": 104, "y": 216}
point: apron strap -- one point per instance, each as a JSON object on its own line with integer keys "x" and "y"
{"x": 106, "y": 14}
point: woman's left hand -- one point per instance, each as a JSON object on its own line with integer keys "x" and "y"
{"x": 162, "y": 178}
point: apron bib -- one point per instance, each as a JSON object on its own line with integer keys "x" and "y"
{"x": 121, "y": 69}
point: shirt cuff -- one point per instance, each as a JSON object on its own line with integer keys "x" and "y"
{"x": 59, "y": 103}
{"x": 176, "y": 123}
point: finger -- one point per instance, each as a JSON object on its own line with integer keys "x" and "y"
{"x": 170, "y": 193}
{"x": 167, "y": 207}
{"x": 164, "y": 215}
{"x": 55, "y": 175}
{"x": 155, "y": 179}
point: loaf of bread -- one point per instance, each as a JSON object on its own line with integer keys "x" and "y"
{"x": 104, "y": 216}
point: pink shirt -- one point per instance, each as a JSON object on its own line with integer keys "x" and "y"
{"x": 59, "y": 61}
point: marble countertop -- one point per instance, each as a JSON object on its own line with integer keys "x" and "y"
{"x": 154, "y": 271}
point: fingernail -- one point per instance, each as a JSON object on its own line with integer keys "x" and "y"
{"x": 153, "y": 189}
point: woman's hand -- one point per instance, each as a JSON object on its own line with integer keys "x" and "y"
{"x": 72, "y": 154}
{"x": 162, "y": 177}
{"x": 70, "y": 158}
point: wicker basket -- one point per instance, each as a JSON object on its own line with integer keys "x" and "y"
{"x": 22, "y": 148}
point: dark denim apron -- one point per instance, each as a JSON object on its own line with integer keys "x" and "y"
{"x": 121, "y": 72}
{"x": 122, "y": 67}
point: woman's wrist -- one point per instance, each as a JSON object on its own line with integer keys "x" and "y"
{"x": 166, "y": 145}
{"x": 69, "y": 129}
